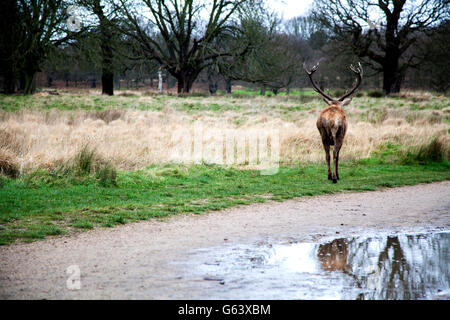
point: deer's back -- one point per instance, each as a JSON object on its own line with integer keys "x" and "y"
{"x": 332, "y": 123}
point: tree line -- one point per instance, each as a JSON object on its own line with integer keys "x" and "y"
{"x": 401, "y": 43}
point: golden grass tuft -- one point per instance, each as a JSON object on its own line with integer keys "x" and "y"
{"x": 132, "y": 139}
{"x": 8, "y": 163}
{"x": 107, "y": 115}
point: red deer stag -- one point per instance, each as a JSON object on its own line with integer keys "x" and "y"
{"x": 332, "y": 123}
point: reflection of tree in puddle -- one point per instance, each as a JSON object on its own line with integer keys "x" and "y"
{"x": 396, "y": 267}
{"x": 380, "y": 268}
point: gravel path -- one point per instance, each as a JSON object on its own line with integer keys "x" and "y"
{"x": 139, "y": 260}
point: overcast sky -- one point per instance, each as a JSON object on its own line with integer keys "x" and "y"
{"x": 290, "y": 8}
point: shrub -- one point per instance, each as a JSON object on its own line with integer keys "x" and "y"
{"x": 87, "y": 162}
{"x": 83, "y": 162}
{"x": 107, "y": 175}
{"x": 435, "y": 151}
{"x": 85, "y": 167}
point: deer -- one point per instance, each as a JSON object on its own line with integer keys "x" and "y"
{"x": 333, "y": 255}
{"x": 332, "y": 123}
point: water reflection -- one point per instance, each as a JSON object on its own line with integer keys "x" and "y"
{"x": 383, "y": 267}
{"x": 395, "y": 267}
{"x": 333, "y": 255}
{"x": 400, "y": 267}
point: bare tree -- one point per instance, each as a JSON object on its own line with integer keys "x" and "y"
{"x": 10, "y": 38}
{"x": 275, "y": 65}
{"x": 174, "y": 35}
{"x": 37, "y": 26}
{"x": 105, "y": 35}
{"x": 271, "y": 60}
{"x": 381, "y": 31}
{"x": 435, "y": 69}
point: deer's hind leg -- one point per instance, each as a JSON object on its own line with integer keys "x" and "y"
{"x": 336, "y": 150}
{"x": 326, "y": 141}
{"x": 326, "y": 147}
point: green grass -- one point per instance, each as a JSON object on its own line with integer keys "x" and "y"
{"x": 192, "y": 104}
{"x": 257, "y": 92}
{"x": 78, "y": 102}
{"x": 42, "y": 204}
{"x": 89, "y": 193}
{"x": 240, "y": 100}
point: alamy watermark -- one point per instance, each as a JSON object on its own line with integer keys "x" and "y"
{"x": 257, "y": 149}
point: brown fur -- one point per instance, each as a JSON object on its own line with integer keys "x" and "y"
{"x": 332, "y": 125}
{"x": 333, "y": 255}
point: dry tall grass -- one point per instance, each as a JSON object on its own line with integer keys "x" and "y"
{"x": 132, "y": 139}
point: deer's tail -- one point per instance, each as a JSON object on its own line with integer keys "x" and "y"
{"x": 334, "y": 134}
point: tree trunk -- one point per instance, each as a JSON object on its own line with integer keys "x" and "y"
{"x": 213, "y": 87}
{"x": 107, "y": 73}
{"x": 391, "y": 81}
{"x": 107, "y": 50}
{"x": 9, "y": 84}
{"x": 185, "y": 82}
{"x": 49, "y": 81}
{"x": 180, "y": 85}
{"x": 28, "y": 82}
{"x": 212, "y": 80}
{"x": 107, "y": 83}
{"x": 160, "y": 82}
{"x": 398, "y": 81}
{"x": 392, "y": 77}
{"x": 212, "y": 84}
{"x": 228, "y": 88}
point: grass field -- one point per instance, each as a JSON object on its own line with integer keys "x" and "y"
{"x": 75, "y": 161}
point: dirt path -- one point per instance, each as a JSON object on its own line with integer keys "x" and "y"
{"x": 139, "y": 260}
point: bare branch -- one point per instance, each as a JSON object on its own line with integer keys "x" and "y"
{"x": 359, "y": 72}
{"x": 310, "y": 73}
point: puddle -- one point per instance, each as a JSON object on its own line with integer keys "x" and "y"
{"x": 400, "y": 266}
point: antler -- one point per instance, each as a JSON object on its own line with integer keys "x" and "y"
{"x": 310, "y": 73}
{"x": 359, "y": 72}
